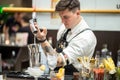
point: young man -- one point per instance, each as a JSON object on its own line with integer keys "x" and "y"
{"x": 75, "y": 38}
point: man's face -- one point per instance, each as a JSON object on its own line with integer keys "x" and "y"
{"x": 69, "y": 18}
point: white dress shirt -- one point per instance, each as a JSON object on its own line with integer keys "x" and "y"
{"x": 82, "y": 45}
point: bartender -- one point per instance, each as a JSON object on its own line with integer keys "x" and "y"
{"x": 74, "y": 38}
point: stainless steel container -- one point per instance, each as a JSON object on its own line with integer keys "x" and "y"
{"x": 34, "y": 55}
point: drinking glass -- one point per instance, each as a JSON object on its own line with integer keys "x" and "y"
{"x": 98, "y": 74}
{"x": 118, "y": 73}
{"x": 35, "y": 77}
{"x": 52, "y": 61}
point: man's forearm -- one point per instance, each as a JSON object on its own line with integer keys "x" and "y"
{"x": 48, "y": 48}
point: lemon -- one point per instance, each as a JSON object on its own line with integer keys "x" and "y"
{"x": 60, "y": 73}
{"x": 42, "y": 67}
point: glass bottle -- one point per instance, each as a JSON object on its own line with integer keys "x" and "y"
{"x": 109, "y": 54}
{"x": 0, "y": 63}
{"x": 118, "y": 65}
{"x": 118, "y": 58}
{"x": 104, "y": 51}
{"x": 112, "y": 71}
{"x": 97, "y": 58}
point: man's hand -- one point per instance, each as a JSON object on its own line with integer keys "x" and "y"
{"x": 60, "y": 61}
{"x": 41, "y": 33}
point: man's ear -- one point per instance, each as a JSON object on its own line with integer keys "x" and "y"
{"x": 78, "y": 12}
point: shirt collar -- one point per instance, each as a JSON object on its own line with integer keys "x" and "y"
{"x": 79, "y": 27}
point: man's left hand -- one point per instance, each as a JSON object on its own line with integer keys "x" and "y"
{"x": 60, "y": 61}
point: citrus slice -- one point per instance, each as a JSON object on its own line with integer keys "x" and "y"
{"x": 42, "y": 67}
{"x": 60, "y": 73}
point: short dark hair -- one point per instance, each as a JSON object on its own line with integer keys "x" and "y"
{"x": 67, "y": 4}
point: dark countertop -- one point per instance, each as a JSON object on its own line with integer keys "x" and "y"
{"x": 23, "y": 76}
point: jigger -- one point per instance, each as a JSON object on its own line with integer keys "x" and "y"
{"x": 34, "y": 55}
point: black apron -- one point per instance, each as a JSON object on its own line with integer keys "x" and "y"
{"x": 69, "y": 68}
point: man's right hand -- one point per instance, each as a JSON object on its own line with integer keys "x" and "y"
{"x": 41, "y": 33}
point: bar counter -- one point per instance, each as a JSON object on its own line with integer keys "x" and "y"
{"x": 24, "y": 76}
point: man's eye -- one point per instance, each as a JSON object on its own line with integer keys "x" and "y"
{"x": 66, "y": 17}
